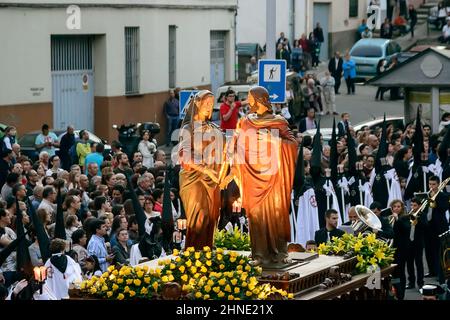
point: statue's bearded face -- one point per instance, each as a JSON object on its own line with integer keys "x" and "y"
{"x": 205, "y": 107}
{"x": 252, "y": 103}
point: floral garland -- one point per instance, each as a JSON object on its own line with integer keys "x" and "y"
{"x": 369, "y": 251}
{"x": 202, "y": 275}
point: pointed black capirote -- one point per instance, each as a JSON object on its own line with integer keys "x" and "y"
{"x": 23, "y": 255}
{"x": 382, "y": 148}
{"x": 352, "y": 157}
{"x": 299, "y": 177}
{"x": 138, "y": 210}
{"x": 41, "y": 235}
{"x": 418, "y": 148}
{"x": 60, "y": 230}
{"x": 316, "y": 158}
{"x": 334, "y": 157}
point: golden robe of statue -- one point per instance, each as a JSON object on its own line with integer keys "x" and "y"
{"x": 263, "y": 165}
{"x": 200, "y": 154}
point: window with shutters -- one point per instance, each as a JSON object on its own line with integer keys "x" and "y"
{"x": 353, "y": 10}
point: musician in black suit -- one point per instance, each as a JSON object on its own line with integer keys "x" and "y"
{"x": 402, "y": 230}
{"x": 335, "y": 66}
{"x": 387, "y": 232}
{"x": 326, "y": 234}
{"x": 415, "y": 254}
{"x": 437, "y": 224}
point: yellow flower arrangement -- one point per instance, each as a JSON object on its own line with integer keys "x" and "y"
{"x": 369, "y": 251}
{"x": 205, "y": 274}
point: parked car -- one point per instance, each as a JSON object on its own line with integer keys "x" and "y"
{"x": 368, "y": 52}
{"x": 435, "y": 20}
{"x": 28, "y": 149}
{"x": 397, "y": 121}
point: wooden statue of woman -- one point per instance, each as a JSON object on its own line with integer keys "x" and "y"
{"x": 263, "y": 164}
{"x": 200, "y": 156}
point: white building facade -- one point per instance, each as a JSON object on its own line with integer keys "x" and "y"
{"x": 111, "y": 62}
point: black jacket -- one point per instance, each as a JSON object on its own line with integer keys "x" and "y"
{"x": 342, "y": 128}
{"x": 302, "y": 125}
{"x": 402, "y": 229}
{"x": 386, "y": 34}
{"x": 121, "y": 256}
{"x": 439, "y": 223}
{"x": 387, "y": 230}
{"x": 336, "y": 70}
{"x": 321, "y": 235}
{"x": 318, "y": 34}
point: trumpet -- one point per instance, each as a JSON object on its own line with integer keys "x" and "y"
{"x": 429, "y": 200}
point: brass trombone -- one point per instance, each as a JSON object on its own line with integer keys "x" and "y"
{"x": 431, "y": 201}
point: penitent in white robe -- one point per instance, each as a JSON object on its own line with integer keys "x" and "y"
{"x": 59, "y": 283}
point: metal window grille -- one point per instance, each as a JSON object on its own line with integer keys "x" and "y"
{"x": 131, "y": 60}
{"x": 71, "y": 53}
{"x": 353, "y": 10}
{"x": 172, "y": 56}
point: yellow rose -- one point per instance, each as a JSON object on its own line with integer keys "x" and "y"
{"x": 144, "y": 290}
{"x": 221, "y": 294}
{"x": 206, "y": 297}
{"x": 233, "y": 282}
{"x": 172, "y": 266}
{"x": 155, "y": 286}
{"x": 171, "y": 278}
{"x": 111, "y": 268}
{"x": 158, "y": 271}
{"x": 239, "y": 268}
{"x": 145, "y": 268}
{"x": 207, "y": 288}
{"x": 219, "y": 250}
{"x": 132, "y": 293}
{"x": 120, "y": 296}
{"x": 222, "y": 282}
{"x": 290, "y": 295}
{"x": 188, "y": 263}
{"x": 129, "y": 281}
{"x": 193, "y": 270}
{"x": 198, "y": 263}
{"x": 206, "y": 249}
{"x": 197, "y": 255}
{"x": 137, "y": 282}
{"x": 232, "y": 259}
{"x": 186, "y": 287}
{"x": 93, "y": 290}
{"x": 186, "y": 253}
{"x": 228, "y": 288}
{"x": 126, "y": 289}
{"x": 175, "y": 252}
{"x": 221, "y": 267}
{"x": 248, "y": 268}
{"x": 203, "y": 269}
{"x": 242, "y": 261}
{"x": 147, "y": 280}
{"x": 182, "y": 269}
{"x": 208, "y": 255}
{"x": 244, "y": 284}
{"x": 248, "y": 293}
{"x": 178, "y": 259}
{"x": 208, "y": 263}
{"x": 230, "y": 297}
{"x": 219, "y": 257}
{"x": 105, "y": 288}
{"x": 184, "y": 277}
{"x": 115, "y": 272}
{"x": 109, "y": 294}
{"x": 191, "y": 249}
{"x": 237, "y": 290}
{"x": 198, "y": 295}
{"x": 120, "y": 281}
{"x": 165, "y": 279}
{"x": 216, "y": 289}
{"x": 115, "y": 287}
{"x": 197, "y": 275}
{"x": 256, "y": 291}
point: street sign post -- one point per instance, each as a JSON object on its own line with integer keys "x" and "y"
{"x": 272, "y": 76}
{"x": 185, "y": 97}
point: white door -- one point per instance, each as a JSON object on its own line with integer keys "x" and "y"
{"x": 72, "y": 82}
{"x": 217, "y": 70}
{"x": 321, "y": 15}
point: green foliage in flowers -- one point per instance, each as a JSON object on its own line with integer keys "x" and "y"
{"x": 235, "y": 240}
{"x": 368, "y": 250}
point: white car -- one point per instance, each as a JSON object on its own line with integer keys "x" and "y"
{"x": 241, "y": 94}
{"x": 397, "y": 121}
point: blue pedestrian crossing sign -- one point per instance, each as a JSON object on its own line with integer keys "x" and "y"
{"x": 272, "y": 76}
{"x": 185, "y": 98}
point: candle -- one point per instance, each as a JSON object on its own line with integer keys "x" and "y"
{"x": 40, "y": 273}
